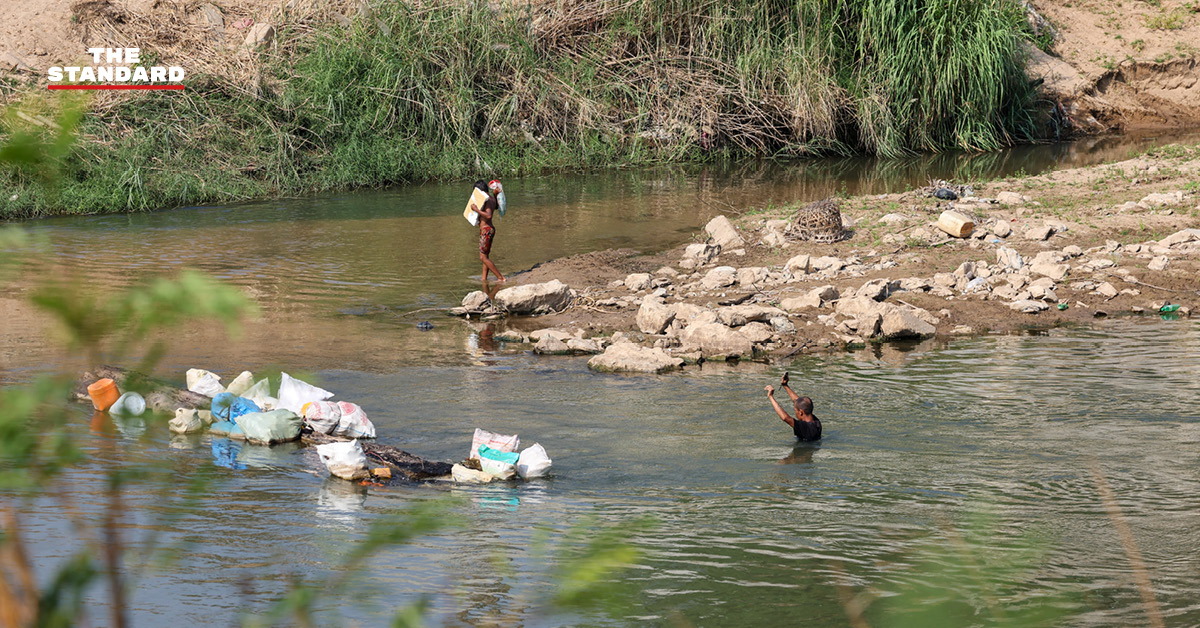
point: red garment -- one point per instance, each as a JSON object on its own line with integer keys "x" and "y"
{"x": 486, "y": 233}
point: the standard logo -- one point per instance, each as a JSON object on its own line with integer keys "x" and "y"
{"x": 122, "y": 69}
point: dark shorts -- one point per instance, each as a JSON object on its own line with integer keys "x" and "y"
{"x": 807, "y": 430}
{"x": 486, "y": 234}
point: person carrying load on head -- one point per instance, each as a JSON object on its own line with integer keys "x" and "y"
{"x": 487, "y": 231}
{"x": 805, "y": 425}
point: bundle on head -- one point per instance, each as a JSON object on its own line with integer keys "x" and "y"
{"x": 819, "y": 222}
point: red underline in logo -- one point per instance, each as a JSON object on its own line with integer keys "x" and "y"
{"x": 99, "y": 87}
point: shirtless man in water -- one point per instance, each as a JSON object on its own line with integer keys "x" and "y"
{"x": 805, "y": 425}
{"x": 486, "y": 231}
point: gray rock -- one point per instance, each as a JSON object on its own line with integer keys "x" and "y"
{"x": 1072, "y": 251}
{"x": 476, "y": 301}
{"x": 719, "y": 277}
{"x": 1057, "y": 272}
{"x": 701, "y": 253}
{"x": 715, "y": 340}
{"x": 1152, "y": 201}
{"x": 259, "y": 35}
{"x": 1002, "y": 228}
{"x": 1009, "y": 258}
{"x": 637, "y": 282}
{"x": 667, "y": 271}
{"x": 581, "y": 345}
{"x": 1181, "y": 237}
{"x": 877, "y": 289}
{"x": 536, "y": 298}
{"x": 626, "y": 357}
{"x": 827, "y": 263}
{"x": 757, "y": 333}
{"x": 799, "y": 264}
{"x": 1106, "y": 290}
{"x": 902, "y": 323}
{"x": 549, "y": 345}
{"x": 751, "y": 276}
{"x": 511, "y": 335}
{"x": 774, "y": 239}
{"x": 1010, "y": 198}
{"x": 722, "y": 232}
{"x": 1029, "y": 306}
{"x": 1159, "y": 263}
{"x": 782, "y": 325}
{"x": 1039, "y": 234}
{"x": 893, "y": 219}
{"x": 654, "y": 316}
{"x": 795, "y": 304}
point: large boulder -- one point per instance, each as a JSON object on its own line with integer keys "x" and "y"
{"x": 631, "y": 358}
{"x": 550, "y": 345}
{"x": 534, "y": 298}
{"x": 715, "y": 340}
{"x": 654, "y": 316}
{"x": 1181, "y": 237}
{"x": 476, "y": 301}
{"x": 751, "y": 276}
{"x": 1057, "y": 272}
{"x": 722, "y": 232}
{"x": 799, "y": 264}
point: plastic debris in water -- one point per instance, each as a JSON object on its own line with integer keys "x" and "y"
{"x": 1062, "y": 306}
{"x": 424, "y": 325}
{"x": 1169, "y": 307}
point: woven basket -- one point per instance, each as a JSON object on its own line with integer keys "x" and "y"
{"x": 818, "y": 222}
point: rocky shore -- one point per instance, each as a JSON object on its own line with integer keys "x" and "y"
{"x": 1062, "y": 248}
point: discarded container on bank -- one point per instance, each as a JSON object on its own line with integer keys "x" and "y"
{"x": 260, "y": 394}
{"x": 534, "y": 462}
{"x": 270, "y": 428}
{"x": 104, "y": 393}
{"x": 129, "y": 404}
{"x": 345, "y": 460}
{"x": 204, "y": 382}
{"x": 955, "y": 223}
{"x": 227, "y": 407}
{"x": 1168, "y": 308}
{"x": 499, "y": 442}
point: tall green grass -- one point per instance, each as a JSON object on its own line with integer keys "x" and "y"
{"x": 451, "y": 89}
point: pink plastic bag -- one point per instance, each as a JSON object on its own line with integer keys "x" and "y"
{"x": 499, "y": 442}
{"x": 323, "y": 416}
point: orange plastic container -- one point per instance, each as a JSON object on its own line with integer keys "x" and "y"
{"x": 104, "y": 393}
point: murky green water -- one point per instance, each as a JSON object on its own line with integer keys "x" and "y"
{"x": 749, "y": 528}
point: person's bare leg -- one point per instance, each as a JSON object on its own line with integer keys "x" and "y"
{"x": 488, "y": 265}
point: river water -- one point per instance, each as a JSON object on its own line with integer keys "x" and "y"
{"x": 1020, "y": 432}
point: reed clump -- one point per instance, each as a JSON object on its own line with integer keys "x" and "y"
{"x": 410, "y": 90}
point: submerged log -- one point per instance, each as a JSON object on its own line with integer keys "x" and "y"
{"x": 164, "y": 398}
{"x": 160, "y": 397}
{"x": 411, "y": 467}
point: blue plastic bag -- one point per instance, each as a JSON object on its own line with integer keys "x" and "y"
{"x": 228, "y": 429}
{"x": 228, "y": 406}
{"x": 496, "y": 454}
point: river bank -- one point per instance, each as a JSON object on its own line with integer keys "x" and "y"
{"x": 339, "y": 95}
{"x": 1062, "y": 248}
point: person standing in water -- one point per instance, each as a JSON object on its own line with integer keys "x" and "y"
{"x": 487, "y": 231}
{"x": 805, "y": 425}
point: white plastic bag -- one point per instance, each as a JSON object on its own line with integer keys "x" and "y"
{"x": 260, "y": 394}
{"x": 204, "y": 382}
{"x": 323, "y": 416}
{"x": 467, "y": 475}
{"x": 294, "y": 393}
{"x": 345, "y": 460}
{"x": 186, "y": 421}
{"x": 354, "y": 422}
{"x": 502, "y": 470}
{"x": 495, "y": 441}
{"x": 240, "y": 384}
{"x": 534, "y": 462}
